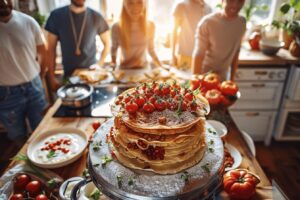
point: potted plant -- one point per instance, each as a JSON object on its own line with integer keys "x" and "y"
{"x": 289, "y": 23}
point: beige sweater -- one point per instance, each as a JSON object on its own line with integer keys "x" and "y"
{"x": 218, "y": 40}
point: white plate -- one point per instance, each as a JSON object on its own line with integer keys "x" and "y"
{"x": 219, "y": 127}
{"x": 236, "y": 156}
{"x": 79, "y": 142}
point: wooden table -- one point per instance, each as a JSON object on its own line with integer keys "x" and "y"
{"x": 233, "y": 137}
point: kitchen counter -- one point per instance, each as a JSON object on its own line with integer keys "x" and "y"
{"x": 250, "y": 57}
{"x": 234, "y": 137}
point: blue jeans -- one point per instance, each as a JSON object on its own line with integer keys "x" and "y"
{"x": 20, "y": 102}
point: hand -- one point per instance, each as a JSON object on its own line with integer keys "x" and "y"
{"x": 54, "y": 84}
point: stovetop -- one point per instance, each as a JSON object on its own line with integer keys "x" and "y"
{"x": 102, "y": 98}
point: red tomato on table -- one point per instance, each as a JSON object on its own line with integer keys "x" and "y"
{"x": 213, "y": 96}
{"x": 229, "y": 88}
{"x": 240, "y": 184}
{"x": 211, "y": 81}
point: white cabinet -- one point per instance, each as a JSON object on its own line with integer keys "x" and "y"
{"x": 256, "y": 123}
{"x": 259, "y": 95}
{"x": 261, "y": 92}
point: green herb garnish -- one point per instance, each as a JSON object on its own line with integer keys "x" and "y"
{"x": 52, "y": 183}
{"x": 96, "y": 194}
{"x": 185, "y": 176}
{"x": 119, "y": 180}
{"x": 211, "y": 150}
{"x": 97, "y": 145}
{"x": 86, "y": 173}
{"x": 197, "y": 91}
{"x": 96, "y": 165}
{"x": 106, "y": 160}
{"x": 206, "y": 168}
{"x": 130, "y": 181}
{"x": 211, "y": 142}
{"x": 51, "y": 154}
{"x": 211, "y": 131}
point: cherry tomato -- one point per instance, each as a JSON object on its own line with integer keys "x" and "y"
{"x": 183, "y": 106}
{"x": 21, "y": 181}
{"x": 193, "y": 105}
{"x": 16, "y": 197}
{"x": 96, "y": 125}
{"x": 173, "y": 92}
{"x": 189, "y": 96}
{"x": 131, "y": 107}
{"x": 140, "y": 101}
{"x": 152, "y": 99}
{"x": 127, "y": 98}
{"x": 33, "y": 187}
{"x": 148, "y": 107}
{"x": 213, "y": 96}
{"x": 158, "y": 91}
{"x": 211, "y": 81}
{"x": 41, "y": 197}
{"x": 160, "y": 104}
{"x": 229, "y": 88}
{"x": 166, "y": 90}
{"x": 195, "y": 83}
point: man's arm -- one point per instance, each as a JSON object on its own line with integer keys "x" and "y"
{"x": 51, "y": 60}
{"x": 234, "y": 65}
{"x": 41, "y": 56}
{"x": 106, "y": 43}
{"x": 197, "y": 64}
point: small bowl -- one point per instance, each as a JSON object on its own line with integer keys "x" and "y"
{"x": 219, "y": 127}
{"x": 67, "y": 187}
{"x": 270, "y": 47}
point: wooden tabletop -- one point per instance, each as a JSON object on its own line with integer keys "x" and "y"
{"x": 233, "y": 137}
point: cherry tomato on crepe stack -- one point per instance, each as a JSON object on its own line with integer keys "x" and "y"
{"x": 96, "y": 125}
{"x": 131, "y": 107}
{"x": 240, "y": 183}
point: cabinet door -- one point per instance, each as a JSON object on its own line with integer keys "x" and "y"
{"x": 259, "y": 95}
{"x": 258, "y": 124}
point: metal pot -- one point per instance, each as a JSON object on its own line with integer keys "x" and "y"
{"x": 75, "y": 95}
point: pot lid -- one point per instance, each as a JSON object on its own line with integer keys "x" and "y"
{"x": 74, "y": 91}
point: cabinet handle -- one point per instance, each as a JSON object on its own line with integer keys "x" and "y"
{"x": 252, "y": 114}
{"x": 256, "y": 85}
{"x": 260, "y": 72}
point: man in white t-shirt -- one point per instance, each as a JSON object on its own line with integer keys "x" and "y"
{"x": 22, "y": 46}
{"x": 187, "y": 14}
{"x": 218, "y": 40}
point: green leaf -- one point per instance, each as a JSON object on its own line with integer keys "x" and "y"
{"x": 185, "y": 176}
{"x": 130, "y": 181}
{"x": 119, "y": 180}
{"x": 20, "y": 157}
{"x": 86, "y": 173}
{"x": 96, "y": 194}
{"x": 106, "y": 160}
{"x": 206, "y": 168}
{"x": 97, "y": 145}
{"x": 51, "y": 154}
{"x": 284, "y": 8}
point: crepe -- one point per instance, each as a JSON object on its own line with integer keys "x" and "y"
{"x": 91, "y": 76}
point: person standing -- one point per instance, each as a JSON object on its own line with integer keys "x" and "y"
{"x": 22, "y": 47}
{"x": 187, "y": 14}
{"x": 218, "y": 40}
{"x": 75, "y": 27}
{"x": 133, "y": 34}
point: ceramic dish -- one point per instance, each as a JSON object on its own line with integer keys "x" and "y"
{"x": 67, "y": 187}
{"x": 219, "y": 127}
{"x": 236, "y": 156}
{"x": 57, "y": 147}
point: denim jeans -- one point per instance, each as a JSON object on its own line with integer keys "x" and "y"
{"x": 20, "y": 102}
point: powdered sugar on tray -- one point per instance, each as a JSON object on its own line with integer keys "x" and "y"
{"x": 145, "y": 183}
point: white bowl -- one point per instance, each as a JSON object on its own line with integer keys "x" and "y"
{"x": 270, "y": 47}
{"x": 79, "y": 141}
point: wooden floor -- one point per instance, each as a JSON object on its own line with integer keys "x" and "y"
{"x": 280, "y": 161}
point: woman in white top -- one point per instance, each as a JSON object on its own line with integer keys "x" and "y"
{"x": 134, "y": 34}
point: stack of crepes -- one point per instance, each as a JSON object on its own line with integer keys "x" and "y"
{"x": 159, "y": 127}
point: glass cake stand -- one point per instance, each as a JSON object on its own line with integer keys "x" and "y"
{"x": 119, "y": 182}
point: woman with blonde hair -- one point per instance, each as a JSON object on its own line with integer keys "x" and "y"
{"x": 134, "y": 34}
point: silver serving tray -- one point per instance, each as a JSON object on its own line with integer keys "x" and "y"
{"x": 148, "y": 185}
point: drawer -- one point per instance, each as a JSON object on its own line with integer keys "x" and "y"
{"x": 263, "y": 74}
{"x": 258, "y": 124}
{"x": 259, "y": 95}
